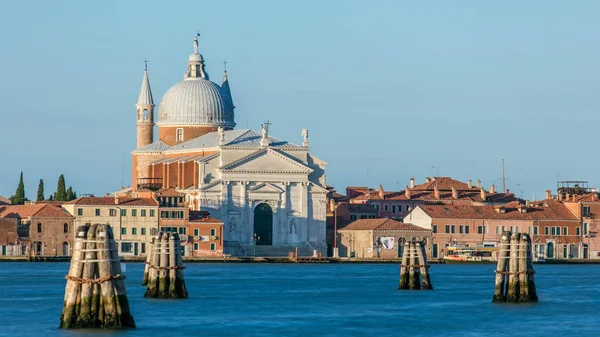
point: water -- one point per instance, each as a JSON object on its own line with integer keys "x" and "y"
{"x": 316, "y": 300}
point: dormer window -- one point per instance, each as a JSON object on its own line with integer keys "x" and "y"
{"x": 179, "y": 135}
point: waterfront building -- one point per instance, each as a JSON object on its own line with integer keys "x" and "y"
{"x": 555, "y": 231}
{"x": 445, "y": 190}
{"x": 266, "y": 190}
{"x": 36, "y": 229}
{"x": 206, "y": 236}
{"x": 379, "y": 238}
{"x": 133, "y": 220}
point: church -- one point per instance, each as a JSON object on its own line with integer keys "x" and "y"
{"x": 267, "y": 191}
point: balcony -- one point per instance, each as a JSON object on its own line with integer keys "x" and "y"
{"x": 149, "y": 184}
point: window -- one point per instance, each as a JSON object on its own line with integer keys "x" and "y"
{"x": 134, "y": 231}
{"x": 407, "y": 208}
{"x": 453, "y": 229}
{"x": 353, "y": 217}
{"x": 164, "y": 214}
{"x": 213, "y": 232}
{"x": 181, "y": 230}
{"x": 565, "y": 231}
{"x": 577, "y": 231}
{"x": 151, "y": 212}
{"x": 143, "y": 248}
{"x": 434, "y": 228}
{"x": 447, "y": 228}
{"x": 546, "y": 229}
{"x": 179, "y": 135}
{"x": 394, "y": 209}
{"x": 181, "y": 215}
{"x": 112, "y": 212}
{"x": 213, "y": 246}
{"x": 39, "y": 228}
{"x": 80, "y": 211}
{"x": 363, "y": 216}
{"x": 97, "y": 211}
{"x": 498, "y": 230}
{"x": 134, "y": 212}
{"x": 553, "y": 230}
{"x": 196, "y": 232}
{"x": 479, "y": 229}
{"x": 586, "y": 211}
{"x": 377, "y": 207}
{"x": 460, "y": 229}
{"x": 385, "y": 208}
{"x": 143, "y": 231}
{"x": 585, "y": 228}
{"x": 126, "y": 247}
{"x": 123, "y": 231}
{"x": 143, "y": 212}
{"x": 153, "y": 231}
{"x": 195, "y": 245}
{"x": 123, "y": 212}
{"x": 535, "y": 230}
{"x": 66, "y": 228}
{"x": 466, "y": 229}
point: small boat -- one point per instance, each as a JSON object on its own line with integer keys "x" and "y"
{"x": 471, "y": 254}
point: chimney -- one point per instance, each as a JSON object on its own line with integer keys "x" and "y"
{"x": 526, "y": 203}
{"x": 594, "y": 196}
{"x": 116, "y": 199}
{"x": 427, "y": 180}
{"x": 523, "y": 209}
{"x": 548, "y": 194}
{"x": 574, "y": 198}
{"x": 470, "y": 183}
{"x": 478, "y": 183}
{"x": 412, "y": 182}
{"x": 407, "y": 193}
{"x": 559, "y": 196}
{"x": 482, "y": 193}
{"x": 454, "y": 193}
{"x": 567, "y": 197}
{"x": 381, "y": 194}
{"x": 493, "y": 189}
{"x": 436, "y": 192}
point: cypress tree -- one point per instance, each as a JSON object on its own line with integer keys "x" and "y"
{"x": 70, "y": 194}
{"x": 40, "y": 194}
{"x": 51, "y": 197}
{"x": 19, "y": 197}
{"x": 61, "y": 190}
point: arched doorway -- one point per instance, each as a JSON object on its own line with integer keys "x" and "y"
{"x": 65, "y": 249}
{"x": 263, "y": 224}
{"x": 550, "y": 250}
{"x": 38, "y": 248}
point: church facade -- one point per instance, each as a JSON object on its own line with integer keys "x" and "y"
{"x": 267, "y": 191}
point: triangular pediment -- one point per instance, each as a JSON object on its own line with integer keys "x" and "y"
{"x": 267, "y": 161}
{"x": 266, "y": 188}
{"x": 215, "y": 186}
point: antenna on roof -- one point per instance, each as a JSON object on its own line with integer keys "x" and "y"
{"x": 504, "y": 178}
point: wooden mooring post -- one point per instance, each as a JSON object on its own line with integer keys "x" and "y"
{"x": 165, "y": 268}
{"x": 95, "y": 295}
{"x": 514, "y": 273}
{"x": 414, "y": 274}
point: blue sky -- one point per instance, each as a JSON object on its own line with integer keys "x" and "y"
{"x": 388, "y": 89}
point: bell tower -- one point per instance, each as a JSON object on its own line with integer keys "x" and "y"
{"x": 145, "y": 112}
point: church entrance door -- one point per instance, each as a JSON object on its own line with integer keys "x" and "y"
{"x": 263, "y": 224}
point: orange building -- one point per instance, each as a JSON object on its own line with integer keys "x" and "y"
{"x": 206, "y": 235}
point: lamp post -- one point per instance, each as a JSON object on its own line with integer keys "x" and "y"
{"x": 255, "y": 238}
{"x": 334, "y": 211}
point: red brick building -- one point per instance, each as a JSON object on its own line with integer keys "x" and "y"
{"x": 555, "y": 231}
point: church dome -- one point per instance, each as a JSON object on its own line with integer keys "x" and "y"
{"x": 195, "y": 102}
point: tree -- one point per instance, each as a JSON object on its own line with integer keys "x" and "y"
{"x": 19, "y": 197}
{"x": 61, "y": 190}
{"x": 70, "y": 194}
{"x": 40, "y": 194}
{"x": 51, "y": 197}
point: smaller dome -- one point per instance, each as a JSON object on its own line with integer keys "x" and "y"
{"x": 196, "y": 57}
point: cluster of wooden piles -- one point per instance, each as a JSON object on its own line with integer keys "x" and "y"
{"x": 413, "y": 271}
{"x": 95, "y": 295}
{"x": 163, "y": 273}
{"x": 514, "y": 274}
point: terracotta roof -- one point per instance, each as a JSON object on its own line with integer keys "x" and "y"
{"x": 588, "y": 197}
{"x": 444, "y": 184}
{"x": 38, "y": 210}
{"x": 382, "y": 224}
{"x": 549, "y": 210}
{"x": 169, "y": 192}
{"x": 428, "y": 196}
{"x": 105, "y": 201}
{"x": 202, "y": 216}
{"x": 4, "y": 201}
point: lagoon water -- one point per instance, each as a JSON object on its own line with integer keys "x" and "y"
{"x": 316, "y": 300}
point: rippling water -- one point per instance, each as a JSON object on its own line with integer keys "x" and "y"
{"x": 317, "y": 300}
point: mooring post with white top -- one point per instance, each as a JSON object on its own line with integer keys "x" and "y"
{"x": 413, "y": 270}
{"x": 514, "y": 273}
{"x": 165, "y": 276}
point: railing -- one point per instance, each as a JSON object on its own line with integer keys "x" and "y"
{"x": 235, "y": 245}
{"x": 152, "y": 184}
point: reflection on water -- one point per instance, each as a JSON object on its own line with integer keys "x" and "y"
{"x": 320, "y": 300}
